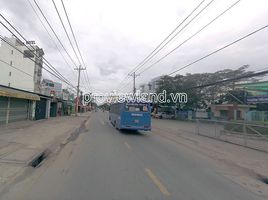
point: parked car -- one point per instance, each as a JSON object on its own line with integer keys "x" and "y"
{"x": 165, "y": 115}
{"x": 158, "y": 115}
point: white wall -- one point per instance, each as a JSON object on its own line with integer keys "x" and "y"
{"x": 23, "y": 79}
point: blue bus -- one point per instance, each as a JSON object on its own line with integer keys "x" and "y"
{"x": 131, "y": 116}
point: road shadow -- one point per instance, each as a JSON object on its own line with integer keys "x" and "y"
{"x": 133, "y": 132}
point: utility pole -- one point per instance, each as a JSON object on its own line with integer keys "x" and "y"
{"x": 134, "y": 81}
{"x": 78, "y": 85}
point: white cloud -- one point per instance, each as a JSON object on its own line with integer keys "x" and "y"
{"x": 114, "y": 36}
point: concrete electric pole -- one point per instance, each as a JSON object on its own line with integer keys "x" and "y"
{"x": 78, "y": 89}
{"x": 134, "y": 81}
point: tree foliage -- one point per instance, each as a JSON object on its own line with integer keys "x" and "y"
{"x": 200, "y": 97}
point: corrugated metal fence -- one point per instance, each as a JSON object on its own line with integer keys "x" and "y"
{"x": 250, "y": 135}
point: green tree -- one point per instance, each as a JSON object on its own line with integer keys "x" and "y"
{"x": 202, "y": 97}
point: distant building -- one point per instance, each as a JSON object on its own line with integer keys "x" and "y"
{"x": 62, "y": 102}
{"x": 231, "y": 111}
{"x": 256, "y": 94}
{"x": 51, "y": 88}
{"x": 150, "y": 87}
{"x": 68, "y": 105}
{"x": 17, "y": 69}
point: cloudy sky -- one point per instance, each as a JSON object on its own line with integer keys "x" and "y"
{"x": 115, "y": 36}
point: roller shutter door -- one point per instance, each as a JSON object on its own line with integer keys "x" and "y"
{"x": 3, "y": 109}
{"x": 19, "y": 109}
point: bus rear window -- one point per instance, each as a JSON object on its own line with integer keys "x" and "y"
{"x": 136, "y": 108}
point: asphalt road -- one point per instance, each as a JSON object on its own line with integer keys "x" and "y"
{"x": 104, "y": 163}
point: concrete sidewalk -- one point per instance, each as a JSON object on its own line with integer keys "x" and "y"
{"x": 22, "y": 142}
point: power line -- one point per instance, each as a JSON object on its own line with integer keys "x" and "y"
{"x": 192, "y": 36}
{"x": 220, "y": 49}
{"x": 75, "y": 40}
{"x": 262, "y": 69}
{"x": 87, "y": 79}
{"x": 15, "y": 68}
{"x": 50, "y": 66}
{"x": 78, "y": 85}
{"x": 122, "y": 81}
{"x": 176, "y": 34}
{"x": 54, "y": 32}
{"x": 53, "y": 41}
{"x": 163, "y": 41}
{"x": 157, "y": 48}
{"x": 84, "y": 79}
{"x": 124, "y": 86}
{"x": 120, "y": 86}
{"x": 52, "y": 73}
{"x": 65, "y": 11}
{"x": 65, "y": 30}
{"x": 229, "y": 80}
{"x": 134, "y": 75}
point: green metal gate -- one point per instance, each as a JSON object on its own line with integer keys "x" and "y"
{"x": 53, "y": 109}
{"x": 40, "y": 109}
{"x": 3, "y": 109}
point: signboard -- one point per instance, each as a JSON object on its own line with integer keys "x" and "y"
{"x": 31, "y": 42}
{"x": 65, "y": 96}
{"x": 257, "y": 99}
{"x": 52, "y": 93}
